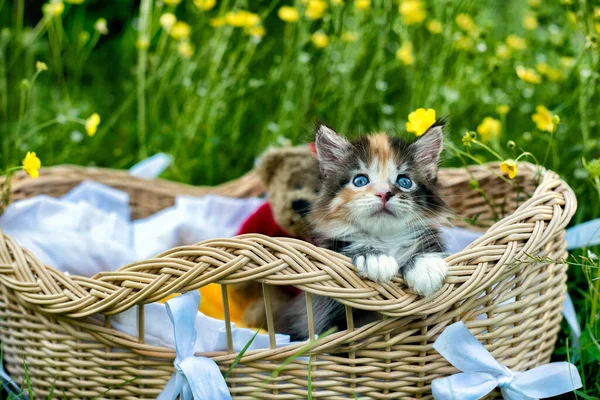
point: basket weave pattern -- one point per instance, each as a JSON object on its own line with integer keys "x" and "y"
{"x": 504, "y": 286}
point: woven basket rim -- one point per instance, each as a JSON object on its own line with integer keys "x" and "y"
{"x": 285, "y": 261}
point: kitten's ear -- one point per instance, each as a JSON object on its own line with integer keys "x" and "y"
{"x": 428, "y": 148}
{"x": 331, "y": 148}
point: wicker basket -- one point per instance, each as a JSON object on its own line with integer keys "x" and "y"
{"x": 504, "y": 286}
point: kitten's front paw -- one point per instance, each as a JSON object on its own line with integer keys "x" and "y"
{"x": 377, "y": 267}
{"x": 427, "y": 275}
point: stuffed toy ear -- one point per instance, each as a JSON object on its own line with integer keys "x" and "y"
{"x": 268, "y": 165}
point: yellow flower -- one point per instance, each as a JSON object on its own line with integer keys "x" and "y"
{"x": 315, "y": 9}
{"x": 543, "y": 119}
{"x": 412, "y": 12}
{"x": 257, "y": 31}
{"x": 167, "y": 20}
{"x": 205, "y": 5}
{"x": 489, "y": 129}
{"x": 288, "y": 14}
{"x": 91, "y": 124}
{"x": 420, "y": 120}
{"x": 551, "y": 73}
{"x": 242, "y": 18}
{"x": 320, "y": 39}
{"x": 142, "y": 43}
{"x": 528, "y": 75}
{"x": 434, "y": 26}
{"x": 597, "y": 27}
{"x": 535, "y": 3}
{"x": 530, "y": 22}
{"x": 502, "y": 51}
{"x": 405, "y": 53}
{"x": 217, "y": 22}
{"x": 101, "y": 27}
{"x": 180, "y": 31}
{"x": 349, "y": 37}
{"x": 32, "y": 164}
{"x": 54, "y": 8}
{"x": 463, "y": 42}
{"x": 466, "y": 23}
{"x": 171, "y": 2}
{"x": 567, "y": 62}
{"x": 362, "y": 4}
{"x": 516, "y": 43}
{"x": 503, "y": 109}
{"x": 41, "y": 66}
{"x": 185, "y": 49}
{"x": 572, "y": 17}
{"x": 467, "y": 139}
{"x": 509, "y": 167}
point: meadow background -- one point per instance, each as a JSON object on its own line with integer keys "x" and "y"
{"x": 214, "y": 83}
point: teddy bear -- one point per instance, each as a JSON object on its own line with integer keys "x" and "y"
{"x": 291, "y": 177}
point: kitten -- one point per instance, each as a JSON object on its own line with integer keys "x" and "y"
{"x": 379, "y": 204}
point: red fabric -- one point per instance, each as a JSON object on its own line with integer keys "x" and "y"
{"x": 262, "y": 221}
{"x": 312, "y": 148}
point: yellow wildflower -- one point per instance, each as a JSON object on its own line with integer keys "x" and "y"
{"x": 288, "y": 14}
{"x": 502, "y": 51}
{"x": 91, "y": 124}
{"x": 530, "y": 22}
{"x": 567, "y": 62}
{"x": 516, "y": 43}
{"x": 362, "y": 4}
{"x": 315, "y": 9}
{"x": 535, "y": 3}
{"x": 167, "y": 20}
{"x": 467, "y": 139}
{"x": 180, "y": 31}
{"x": 101, "y": 27}
{"x": 41, "y": 66}
{"x": 320, "y": 39}
{"x": 434, "y": 26}
{"x": 205, "y": 5}
{"x": 242, "y": 18}
{"x": 54, "y": 8}
{"x": 489, "y": 129}
{"x": 171, "y": 2}
{"x": 466, "y": 23}
{"x": 503, "y": 109}
{"x": 597, "y": 27}
{"x": 185, "y": 49}
{"x": 543, "y": 119}
{"x": 349, "y": 37}
{"x": 142, "y": 43}
{"x": 420, "y": 120}
{"x": 32, "y": 164}
{"x": 257, "y": 31}
{"x": 463, "y": 42}
{"x": 572, "y": 17}
{"x": 528, "y": 75}
{"x": 217, "y": 22}
{"x": 553, "y": 74}
{"x": 509, "y": 167}
{"x": 405, "y": 53}
{"x": 412, "y": 11}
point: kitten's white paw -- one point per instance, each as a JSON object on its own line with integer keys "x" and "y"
{"x": 377, "y": 267}
{"x": 427, "y": 275}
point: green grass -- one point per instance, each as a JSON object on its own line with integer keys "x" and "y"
{"x": 238, "y": 94}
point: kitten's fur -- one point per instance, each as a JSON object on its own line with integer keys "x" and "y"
{"x": 384, "y": 228}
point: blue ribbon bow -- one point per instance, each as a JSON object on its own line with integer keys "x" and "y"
{"x": 196, "y": 378}
{"x": 482, "y": 373}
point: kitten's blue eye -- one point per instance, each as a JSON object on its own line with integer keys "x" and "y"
{"x": 404, "y": 182}
{"x": 360, "y": 180}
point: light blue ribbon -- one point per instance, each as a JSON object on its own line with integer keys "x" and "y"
{"x": 151, "y": 167}
{"x": 482, "y": 373}
{"x": 197, "y": 378}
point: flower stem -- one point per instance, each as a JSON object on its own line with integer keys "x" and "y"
{"x": 143, "y": 38}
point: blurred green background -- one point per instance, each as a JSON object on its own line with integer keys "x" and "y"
{"x": 231, "y": 78}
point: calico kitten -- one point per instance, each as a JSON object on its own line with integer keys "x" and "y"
{"x": 379, "y": 204}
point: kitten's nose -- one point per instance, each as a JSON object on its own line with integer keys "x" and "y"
{"x": 301, "y": 206}
{"x": 384, "y": 196}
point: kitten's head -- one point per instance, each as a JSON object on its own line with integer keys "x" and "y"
{"x": 377, "y": 184}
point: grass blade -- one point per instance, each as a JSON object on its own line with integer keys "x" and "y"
{"x": 241, "y": 354}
